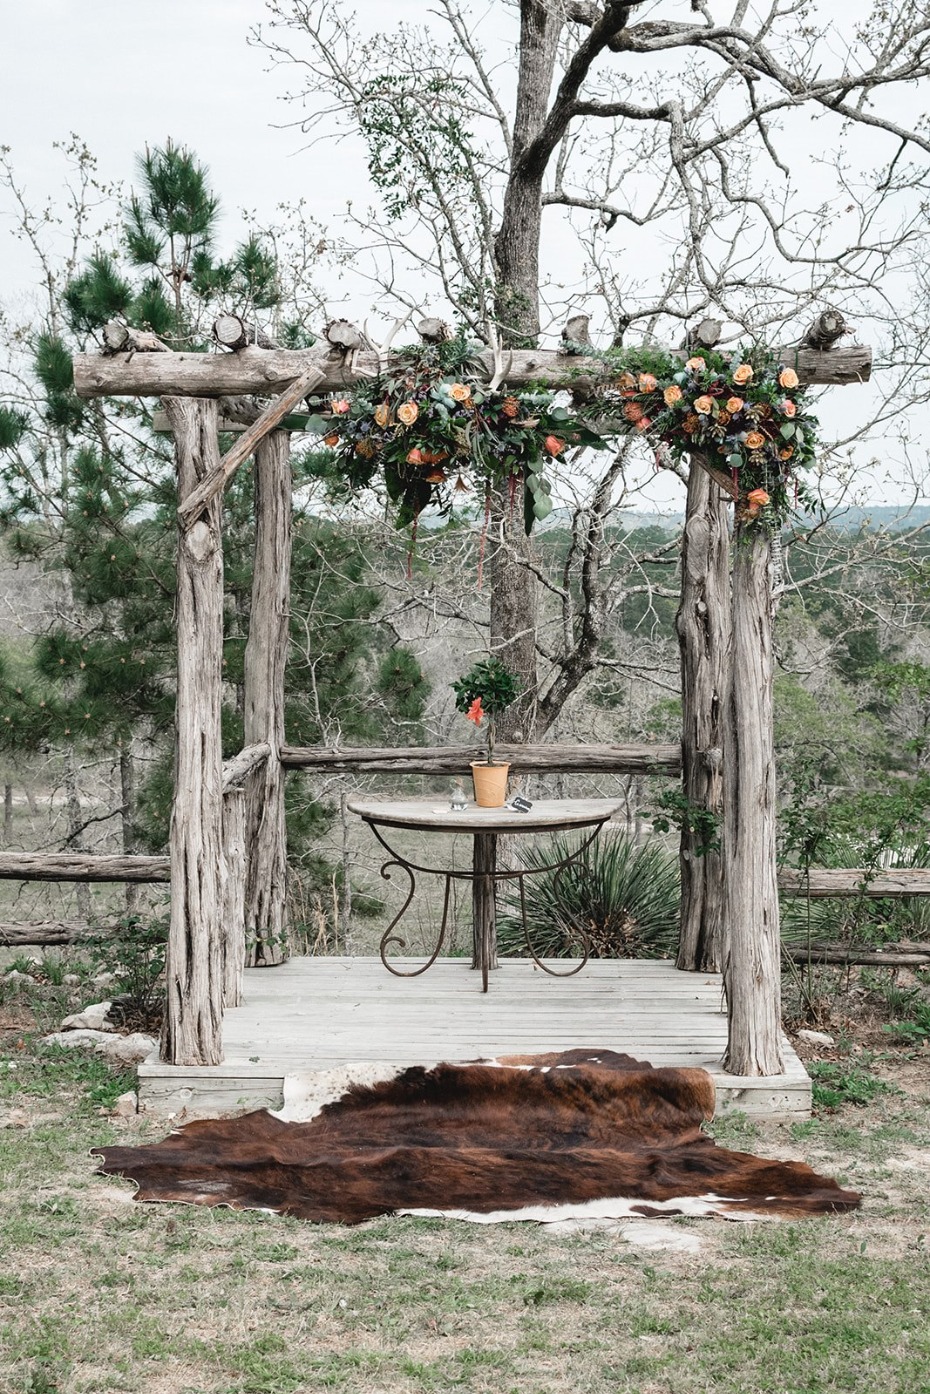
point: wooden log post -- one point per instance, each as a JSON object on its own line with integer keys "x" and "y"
{"x": 193, "y": 1024}
{"x": 265, "y": 660}
{"x": 703, "y": 627}
{"x": 751, "y": 949}
{"x": 234, "y": 855}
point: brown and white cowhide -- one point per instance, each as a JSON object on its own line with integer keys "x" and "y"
{"x": 546, "y": 1138}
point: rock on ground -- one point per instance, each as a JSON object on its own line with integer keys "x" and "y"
{"x": 92, "y": 1018}
{"x": 129, "y": 1050}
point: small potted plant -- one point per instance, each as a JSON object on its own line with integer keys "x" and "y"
{"x": 483, "y": 693}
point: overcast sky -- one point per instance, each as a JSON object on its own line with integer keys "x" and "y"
{"x": 123, "y": 73}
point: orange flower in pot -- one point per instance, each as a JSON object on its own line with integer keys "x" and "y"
{"x": 484, "y": 692}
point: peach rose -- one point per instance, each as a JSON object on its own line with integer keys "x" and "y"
{"x": 743, "y": 374}
{"x": 759, "y": 497}
{"x": 408, "y": 412}
{"x": 786, "y": 453}
{"x": 459, "y": 392}
{"x": 696, "y": 365}
{"x": 383, "y": 414}
{"x": 644, "y": 423}
{"x": 647, "y": 383}
{"x": 341, "y": 405}
{"x": 788, "y": 378}
{"x": 331, "y": 439}
{"x": 704, "y": 405}
{"x": 414, "y": 457}
{"x": 554, "y": 445}
{"x": 755, "y": 440}
{"x": 789, "y": 408}
{"x": 735, "y": 404}
{"x": 671, "y": 395}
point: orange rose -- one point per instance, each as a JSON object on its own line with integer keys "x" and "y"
{"x": 633, "y": 411}
{"x": 735, "y": 404}
{"x": 341, "y": 406}
{"x": 786, "y": 453}
{"x": 696, "y": 365}
{"x": 788, "y": 378}
{"x": 331, "y": 439}
{"x": 554, "y": 445}
{"x": 644, "y": 423}
{"x": 704, "y": 405}
{"x": 414, "y": 457}
{"x": 758, "y": 497}
{"x": 647, "y": 383}
{"x": 789, "y": 408}
{"x": 383, "y": 414}
{"x": 755, "y": 440}
{"x": 743, "y": 374}
{"x": 459, "y": 392}
{"x": 408, "y": 413}
{"x": 671, "y": 395}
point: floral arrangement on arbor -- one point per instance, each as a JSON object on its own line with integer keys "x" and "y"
{"x": 485, "y": 691}
{"x": 744, "y": 414}
{"x": 432, "y": 431}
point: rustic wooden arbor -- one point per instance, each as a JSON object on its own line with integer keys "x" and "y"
{"x": 227, "y": 853}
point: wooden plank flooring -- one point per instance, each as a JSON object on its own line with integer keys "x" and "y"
{"x": 320, "y": 1013}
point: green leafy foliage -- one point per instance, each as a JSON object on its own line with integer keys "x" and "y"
{"x": 837, "y": 1083}
{"x": 485, "y": 691}
{"x": 624, "y": 897}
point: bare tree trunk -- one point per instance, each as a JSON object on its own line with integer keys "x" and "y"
{"x": 751, "y": 950}
{"x": 127, "y": 784}
{"x": 265, "y": 660}
{"x": 193, "y": 1026}
{"x": 7, "y": 812}
{"x": 703, "y": 626}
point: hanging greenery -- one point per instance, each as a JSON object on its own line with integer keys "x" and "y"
{"x": 432, "y": 431}
{"x": 745, "y": 414}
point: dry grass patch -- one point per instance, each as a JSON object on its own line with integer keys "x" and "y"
{"x": 98, "y": 1294}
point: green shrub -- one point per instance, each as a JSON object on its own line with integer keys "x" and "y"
{"x": 624, "y": 897}
{"x": 836, "y": 1083}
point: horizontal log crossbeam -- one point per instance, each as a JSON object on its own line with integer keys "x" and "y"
{"x": 268, "y": 371}
{"x": 847, "y": 883}
{"x": 73, "y": 866}
{"x": 456, "y": 760}
{"x": 237, "y": 769}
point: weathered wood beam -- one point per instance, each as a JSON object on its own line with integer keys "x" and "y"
{"x": 119, "y": 338}
{"x": 234, "y": 856}
{"x": 80, "y": 866}
{"x": 751, "y": 958}
{"x": 235, "y": 332}
{"x": 192, "y": 1031}
{"x": 268, "y": 371}
{"x": 703, "y": 628}
{"x": 214, "y": 482}
{"x": 825, "y": 883}
{"x": 453, "y": 760}
{"x": 237, "y": 768}
{"x": 43, "y": 932}
{"x": 263, "y": 718}
{"x": 847, "y": 957}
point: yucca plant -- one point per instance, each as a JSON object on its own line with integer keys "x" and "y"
{"x": 624, "y": 897}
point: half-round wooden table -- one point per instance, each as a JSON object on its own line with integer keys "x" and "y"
{"x": 485, "y": 826}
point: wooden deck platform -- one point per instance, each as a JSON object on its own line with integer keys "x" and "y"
{"x": 321, "y": 1013}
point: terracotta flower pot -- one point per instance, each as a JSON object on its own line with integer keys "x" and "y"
{"x": 490, "y": 785}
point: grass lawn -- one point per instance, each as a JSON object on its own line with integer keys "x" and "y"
{"x": 99, "y": 1294}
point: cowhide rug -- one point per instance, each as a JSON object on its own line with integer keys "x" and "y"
{"x": 546, "y": 1137}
